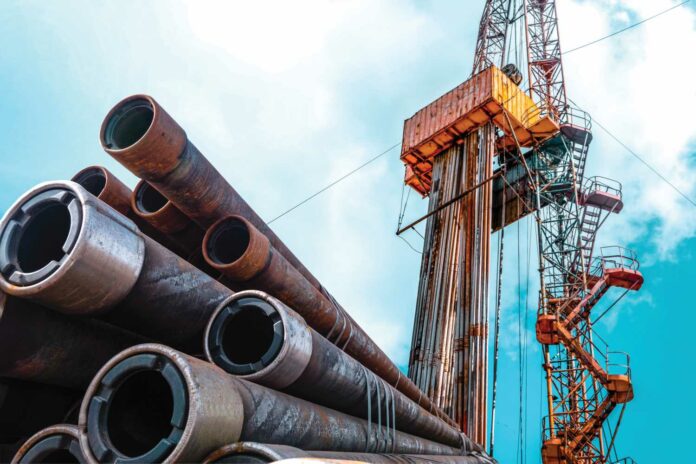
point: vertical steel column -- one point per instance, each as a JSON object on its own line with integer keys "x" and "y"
{"x": 449, "y": 357}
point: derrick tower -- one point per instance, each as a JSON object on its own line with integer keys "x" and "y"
{"x": 503, "y": 145}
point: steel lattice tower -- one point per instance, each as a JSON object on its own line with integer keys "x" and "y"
{"x": 585, "y": 381}
{"x": 450, "y": 150}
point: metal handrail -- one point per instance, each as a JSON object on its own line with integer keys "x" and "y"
{"x": 603, "y": 184}
{"x": 614, "y": 257}
{"x": 576, "y": 117}
{"x": 618, "y": 367}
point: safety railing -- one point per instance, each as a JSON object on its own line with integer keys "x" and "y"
{"x": 602, "y": 184}
{"x": 618, "y": 363}
{"x": 624, "y": 461}
{"x": 577, "y": 118}
{"x": 618, "y": 257}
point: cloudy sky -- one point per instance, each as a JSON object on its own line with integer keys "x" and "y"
{"x": 285, "y": 97}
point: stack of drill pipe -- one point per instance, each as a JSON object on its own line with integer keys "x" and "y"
{"x": 258, "y": 338}
{"x": 96, "y": 262}
{"x": 250, "y": 452}
{"x": 112, "y": 269}
{"x": 154, "y": 215}
{"x": 89, "y": 271}
{"x": 142, "y": 136}
{"x": 152, "y": 403}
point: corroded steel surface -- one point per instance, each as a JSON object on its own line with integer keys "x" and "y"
{"x": 104, "y": 185}
{"x": 152, "y": 207}
{"x": 116, "y": 272}
{"x": 44, "y": 346}
{"x": 449, "y": 356}
{"x": 221, "y": 409}
{"x": 257, "y": 265}
{"x": 308, "y": 366}
{"x": 487, "y": 97}
{"x": 238, "y": 452}
{"x": 143, "y": 137}
{"x": 101, "y": 183}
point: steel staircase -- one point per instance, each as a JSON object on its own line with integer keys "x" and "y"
{"x": 582, "y": 389}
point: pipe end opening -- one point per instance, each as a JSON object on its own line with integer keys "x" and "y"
{"x": 228, "y": 242}
{"x": 128, "y": 123}
{"x": 59, "y": 448}
{"x": 39, "y": 236}
{"x": 148, "y": 199}
{"x": 245, "y": 336}
{"x": 92, "y": 179}
{"x": 138, "y": 413}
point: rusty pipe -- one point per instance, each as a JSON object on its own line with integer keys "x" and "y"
{"x": 55, "y": 444}
{"x": 151, "y": 403}
{"x": 45, "y": 346}
{"x": 64, "y": 248}
{"x": 144, "y": 138}
{"x": 258, "y": 338}
{"x": 152, "y": 207}
{"x": 241, "y": 252}
{"x": 252, "y": 452}
{"x": 149, "y": 206}
{"x": 104, "y": 185}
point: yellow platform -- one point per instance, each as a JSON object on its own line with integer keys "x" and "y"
{"x": 489, "y": 96}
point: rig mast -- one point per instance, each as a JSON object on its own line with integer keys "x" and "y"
{"x": 486, "y": 154}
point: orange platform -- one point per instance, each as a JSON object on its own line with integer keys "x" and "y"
{"x": 489, "y": 96}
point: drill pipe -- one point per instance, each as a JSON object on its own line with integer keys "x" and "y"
{"x": 104, "y": 185}
{"x": 151, "y": 403}
{"x": 246, "y": 257}
{"x": 61, "y": 246}
{"x": 27, "y": 407}
{"x": 55, "y": 444}
{"x": 258, "y": 338}
{"x": 145, "y": 139}
{"x": 44, "y": 346}
{"x": 152, "y": 207}
{"x": 251, "y": 452}
{"x": 101, "y": 183}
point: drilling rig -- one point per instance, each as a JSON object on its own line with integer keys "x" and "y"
{"x": 505, "y": 144}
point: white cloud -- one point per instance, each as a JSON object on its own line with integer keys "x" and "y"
{"x": 283, "y": 97}
{"x": 282, "y": 123}
{"x": 636, "y": 84}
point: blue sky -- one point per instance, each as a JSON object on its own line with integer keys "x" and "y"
{"x": 285, "y": 98}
